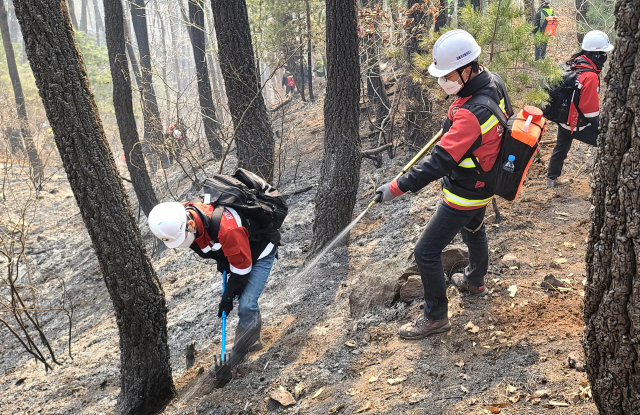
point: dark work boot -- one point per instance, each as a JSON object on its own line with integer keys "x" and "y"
{"x": 247, "y": 340}
{"x": 552, "y": 183}
{"x": 461, "y": 282}
{"x": 423, "y": 327}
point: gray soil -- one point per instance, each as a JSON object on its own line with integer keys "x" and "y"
{"x": 342, "y": 364}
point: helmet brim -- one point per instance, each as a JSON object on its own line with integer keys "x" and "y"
{"x": 177, "y": 242}
{"x": 433, "y": 71}
{"x": 607, "y": 49}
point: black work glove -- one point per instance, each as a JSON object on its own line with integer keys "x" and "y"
{"x": 235, "y": 287}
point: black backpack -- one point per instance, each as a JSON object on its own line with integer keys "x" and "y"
{"x": 260, "y": 205}
{"x": 523, "y": 146}
{"x": 562, "y": 94}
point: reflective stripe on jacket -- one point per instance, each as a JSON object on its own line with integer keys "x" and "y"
{"x": 469, "y": 131}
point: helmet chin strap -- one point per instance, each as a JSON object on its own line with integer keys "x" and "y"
{"x": 460, "y": 75}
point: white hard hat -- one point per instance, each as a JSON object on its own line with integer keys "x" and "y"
{"x": 453, "y": 50}
{"x": 596, "y": 41}
{"x": 177, "y": 134}
{"x": 168, "y": 222}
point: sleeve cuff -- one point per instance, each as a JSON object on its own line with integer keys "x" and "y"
{"x": 395, "y": 190}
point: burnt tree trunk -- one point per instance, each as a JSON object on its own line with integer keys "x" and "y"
{"x": 37, "y": 168}
{"x": 132, "y": 55}
{"x": 159, "y": 17}
{"x": 253, "y": 133}
{"x": 309, "y": 63}
{"x": 84, "y": 15}
{"x": 150, "y": 112}
{"x": 72, "y": 13}
{"x": 375, "y": 87}
{"x": 205, "y": 93}
{"x": 99, "y": 21}
{"x": 300, "y": 85}
{"x": 177, "y": 68}
{"x": 530, "y": 10}
{"x": 418, "y": 113}
{"x": 612, "y": 293}
{"x": 135, "y": 291}
{"x": 582, "y": 8}
{"x": 123, "y": 106}
{"x": 441, "y": 17}
{"x": 340, "y": 172}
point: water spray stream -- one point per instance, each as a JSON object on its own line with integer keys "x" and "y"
{"x": 308, "y": 267}
{"x": 346, "y": 230}
{"x": 333, "y": 243}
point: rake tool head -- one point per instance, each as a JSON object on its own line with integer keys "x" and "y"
{"x": 222, "y": 374}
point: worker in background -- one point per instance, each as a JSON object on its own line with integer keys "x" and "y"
{"x": 472, "y": 136}
{"x": 319, "y": 68}
{"x": 588, "y": 63}
{"x": 540, "y": 30}
{"x": 289, "y": 83}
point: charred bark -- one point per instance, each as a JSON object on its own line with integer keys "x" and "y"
{"x": 132, "y": 54}
{"x": 37, "y": 168}
{"x": 84, "y": 15}
{"x": 135, "y": 291}
{"x": 150, "y": 112}
{"x": 375, "y": 86}
{"x": 72, "y": 13}
{"x": 253, "y": 133}
{"x": 99, "y": 21}
{"x": 309, "y": 63}
{"x": 300, "y": 85}
{"x": 123, "y": 106}
{"x": 205, "y": 93}
{"x": 612, "y": 293}
{"x": 340, "y": 172}
{"x": 530, "y": 10}
{"x": 441, "y": 15}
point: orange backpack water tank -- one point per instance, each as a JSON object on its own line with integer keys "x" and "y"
{"x": 552, "y": 25}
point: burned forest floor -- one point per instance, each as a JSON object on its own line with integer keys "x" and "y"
{"x": 330, "y": 334}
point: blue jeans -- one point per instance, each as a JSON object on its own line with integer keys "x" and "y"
{"x": 248, "y": 309}
{"x": 442, "y": 228}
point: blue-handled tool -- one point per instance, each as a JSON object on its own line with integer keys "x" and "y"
{"x": 224, "y": 317}
{"x": 223, "y": 369}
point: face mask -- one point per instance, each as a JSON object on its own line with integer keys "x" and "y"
{"x": 450, "y": 87}
{"x": 187, "y": 241}
{"x": 599, "y": 60}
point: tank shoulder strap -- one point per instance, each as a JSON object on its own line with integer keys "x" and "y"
{"x": 216, "y": 217}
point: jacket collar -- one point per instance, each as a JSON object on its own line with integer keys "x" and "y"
{"x": 202, "y": 216}
{"x": 481, "y": 81}
{"x": 583, "y": 62}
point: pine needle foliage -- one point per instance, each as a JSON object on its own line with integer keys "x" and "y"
{"x": 505, "y": 36}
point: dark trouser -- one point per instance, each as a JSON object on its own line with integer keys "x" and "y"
{"x": 563, "y": 144}
{"x": 541, "y": 51}
{"x": 560, "y": 151}
{"x": 442, "y": 228}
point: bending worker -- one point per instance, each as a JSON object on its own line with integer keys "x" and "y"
{"x": 472, "y": 134}
{"x": 226, "y": 240}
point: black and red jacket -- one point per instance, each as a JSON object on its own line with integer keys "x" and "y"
{"x": 232, "y": 247}
{"x": 469, "y": 131}
{"x": 588, "y": 101}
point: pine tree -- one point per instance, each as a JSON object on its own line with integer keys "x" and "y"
{"x": 135, "y": 291}
{"x": 253, "y": 132}
{"x": 612, "y": 294}
{"x": 340, "y": 172}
